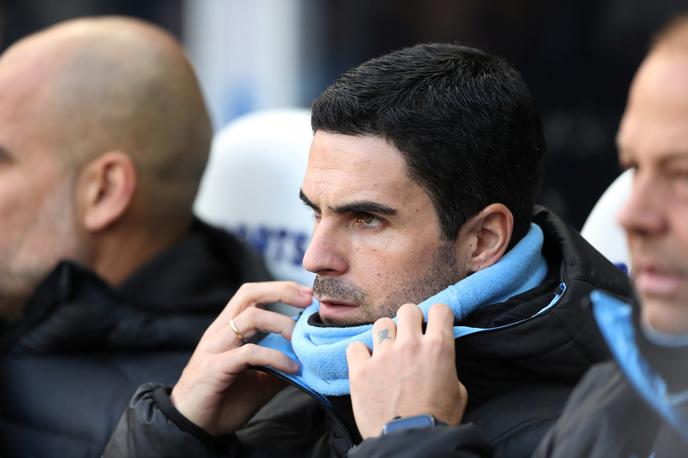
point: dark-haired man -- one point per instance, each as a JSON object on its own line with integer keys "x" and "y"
{"x": 106, "y": 279}
{"x": 422, "y": 178}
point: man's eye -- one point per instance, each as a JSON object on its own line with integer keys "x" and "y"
{"x": 679, "y": 180}
{"x": 368, "y": 221}
{"x": 679, "y": 174}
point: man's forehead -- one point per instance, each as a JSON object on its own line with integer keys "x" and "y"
{"x": 333, "y": 161}
{"x": 356, "y": 167}
{"x": 368, "y": 159}
{"x": 353, "y": 151}
{"x": 655, "y": 122}
{"x": 26, "y": 78}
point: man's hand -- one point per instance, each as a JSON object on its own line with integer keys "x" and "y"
{"x": 215, "y": 391}
{"x": 409, "y": 373}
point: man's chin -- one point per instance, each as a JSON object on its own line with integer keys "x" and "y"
{"x": 342, "y": 321}
{"x": 337, "y": 323}
{"x": 664, "y": 315}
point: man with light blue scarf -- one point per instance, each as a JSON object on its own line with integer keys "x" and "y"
{"x": 446, "y": 315}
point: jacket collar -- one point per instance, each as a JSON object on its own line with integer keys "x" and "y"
{"x": 520, "y": 347}
{"x": 165, "y": 304}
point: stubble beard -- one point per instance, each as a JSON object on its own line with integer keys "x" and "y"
{"x": 442, "y": 272}
{"x": 24, "y": 268}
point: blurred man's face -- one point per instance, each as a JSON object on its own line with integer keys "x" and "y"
{"x": 376, "y": 242}
{"x": 653, "y": 139}
{"x": 36, "y": 204}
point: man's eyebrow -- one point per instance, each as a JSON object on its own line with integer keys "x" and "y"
{"x": 677, "y": 156}
{"x": 359, "y": 206}
{"x": 308, "y": 202}
{"x": 365, "y": 206}
{"x": 627, "y": 156}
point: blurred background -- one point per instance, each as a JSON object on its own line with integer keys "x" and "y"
{"x": 577, "y": 56}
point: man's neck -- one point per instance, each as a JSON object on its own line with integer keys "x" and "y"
{"x": 121, "y": 254}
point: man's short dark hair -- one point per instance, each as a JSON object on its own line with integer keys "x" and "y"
{"x": 464, "y": 121}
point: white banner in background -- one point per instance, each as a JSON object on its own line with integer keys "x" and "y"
{"x": 246, "y": 53}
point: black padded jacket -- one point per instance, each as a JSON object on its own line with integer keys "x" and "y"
{"x": 69, "y": 367}
{"x": 620, "y": 411}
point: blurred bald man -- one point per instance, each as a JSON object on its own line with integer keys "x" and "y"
{"x": 106, "y": 279}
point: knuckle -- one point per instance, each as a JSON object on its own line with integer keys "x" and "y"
{"x": 352, "y": 348}
{"x": 249, "y": 289}
{"x": 435, "y": 343}
{"x": 442, "y": 310}
{"x": 244, "y": 287}
{"x": 271, "y": 319}
{"x": 407, "y": 308}
{"x": 277, "y": 320}
{"x": 439, "y": 307}
{"x": 247, "y": 349}
{"x": 382, "y": 323}
{"x": 250, "y": 314}
{"x": 409, "y": 312}
{"x": 437, "y": 349}
{"x": 250, "y": 347}
{"x": 291, "y": 285}
{"x": 409, "y": 346}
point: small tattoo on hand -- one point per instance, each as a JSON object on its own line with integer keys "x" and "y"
{"x": 383, "y": 335}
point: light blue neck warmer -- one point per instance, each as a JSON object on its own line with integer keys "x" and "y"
{"x": 322, "y": 350}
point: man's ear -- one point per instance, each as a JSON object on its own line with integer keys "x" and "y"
{"x": 486, "y": 236}
{"x": 105, "y": 190}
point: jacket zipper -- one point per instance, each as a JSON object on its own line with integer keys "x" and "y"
{"x": 322, "y": 400}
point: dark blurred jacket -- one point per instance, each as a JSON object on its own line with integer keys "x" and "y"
{"x": 71, "y": 364}
{"x": 636, "y": 405}
{"x": 518, "y": 372}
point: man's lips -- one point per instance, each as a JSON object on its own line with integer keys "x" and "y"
{"x": 331, "y": 302}
{"x": 653, "y": 281}
{"x": 332, "y": 308}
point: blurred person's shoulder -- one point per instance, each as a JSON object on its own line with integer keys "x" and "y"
{"x": 604, "y": 417}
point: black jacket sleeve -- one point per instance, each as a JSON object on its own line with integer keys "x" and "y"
{"x": 152, "y": 427}
{"x": 464, "y": 441}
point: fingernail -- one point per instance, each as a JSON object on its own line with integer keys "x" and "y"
{"x": 293, "y": 365}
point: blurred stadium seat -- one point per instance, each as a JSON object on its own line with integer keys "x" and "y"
{"x": 251, "y": 187}
{"x": 602, "y": 229}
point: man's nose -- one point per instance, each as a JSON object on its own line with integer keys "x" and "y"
{"x": 327, "y": 252}
{"x": 644, "y": 210}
